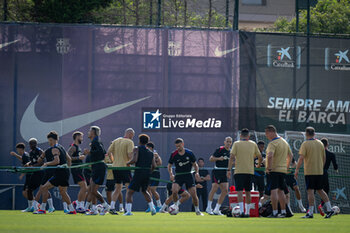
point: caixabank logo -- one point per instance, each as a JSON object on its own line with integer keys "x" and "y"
{"x": 183, "y": 119}
{"x": 336, "y": 60}
{"x": 283, "y": 57}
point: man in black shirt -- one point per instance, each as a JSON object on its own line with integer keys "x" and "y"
{"x": 77, "y": 156}
{"x": 144, "y": 159}
{"x": 221, "y": 157}
{"x": 201, "y": 183}
{"x": 98, "y": 170}
{"x": 330, "y": 158}
{"x": 184, "y": 161}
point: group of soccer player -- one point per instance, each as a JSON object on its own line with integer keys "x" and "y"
{"x": 50, "y": 168}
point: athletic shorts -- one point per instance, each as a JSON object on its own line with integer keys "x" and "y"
{"x": 48, "y": 173}
{"x": 27, "y": 181}
{"x": 98, "y": 173}
{"x": 122, "y": 176}
{"x": 77, "y": 174}
{"x": 278, "y": 180}
{"x": 268, "y": 186}
{"x": 259, "y": 182}
{"x": 154, "y": 174}
{"x": 35, "y": 180}
{"x": 186, "y": 179}
{"x": 110, "y": 185}
{"x": 314, "y": 182}
{"x": 243, "y": 181}
{"x": 140, "y": 181}
{"x": 169, "y": 187}
{"x": 87, "y": 175}
{"x": 60, "y": 178}
{"x": 291, "y": 181}
{"x": 219, "y": 176}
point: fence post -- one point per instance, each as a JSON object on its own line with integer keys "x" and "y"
{"x": 159, "y": 12}
{"x": 13, "y": 197}
{"x": 150, "y": 12}
{"x": 227, "y": 12}
{"x": 235, "y": 15}
{"x": 5, "y": 10}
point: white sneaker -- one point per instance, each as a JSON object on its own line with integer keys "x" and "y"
{"x": 27, "y": 210}
{"x": 209, "y": 211}
{"x": 217, "y": 212}
{"x": 162, "y": 211}
{"x": 121, "y": 210}
{"x": 302, "y": 209}
{"x": 199, "y": 213}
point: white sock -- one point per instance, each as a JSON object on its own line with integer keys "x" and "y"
{"x": 217, "y": 207}
{"x": 30, "y": 203}
{"x": 112, "y": 205}
{"x": 328, "y": 206}
{"x": 283, "y": 212}
{"x": 164, "y": 206}
{"x": 209, "y": 204}
{"x": 70, "y": 207}
{"x": 196, "y": 208}
{"x": 300, "y": 203}
{"x": 104, "y": 204}
{"x": 43, "y": 206}
{"x": 65, "y": 206}
{"x": 274, "y": 212}
{"x": 241, "y": 207}
{"x": 121, "y": 206}
{"x": 178, "y": 203}
{"x": 150, "y": 205}
{"x": 128, "y": 207}
{"x": 50, "y": 202}
{"x": 247, "y": 208}
{"x": 159, "y": 204}
{"x": 311, "y": 210}
{"x": 87, "y": 205}
{"x": 35, "y": 205}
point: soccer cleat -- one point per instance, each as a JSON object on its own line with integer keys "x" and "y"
{"x": 51, "y": 210}
{"x": 81, "y": 210}
{"x": 128, "y": 214}
{"x": 72, "y": 212}
{"x": 163, "y": 211}
{"x": 282, "y": 215}
{"x": 104, "y": 210}
{"x": 39, "y": 211}
{"x": 121, "y": 210}
{"x": 148, "y": 210}
{"x": 65, "y": 211}
{"x": 113, "y": 211}
{"x": 308, "y": 216}
{"x": 272, "y": 216}
{"x": 302, "y": 209}
{"x": 158, "y": 208}
{"x": 320, "y": 209}
{"x": 209, "y": 211}
{"x": 153, "y": 211}
{"x": 199, "y": 213}
{"x": 92, "y": 213}
{"x": 329, "y": 214}
{"x": 217, "y": 212}
{"x": 27, "y": 210}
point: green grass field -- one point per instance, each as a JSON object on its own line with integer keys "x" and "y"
{"x": 15, "y": 221}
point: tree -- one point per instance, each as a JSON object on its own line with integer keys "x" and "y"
{"x": 328, "y": 16}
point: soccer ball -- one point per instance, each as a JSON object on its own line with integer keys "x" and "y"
{"x": 336, "y": 209}
{"x": 236, "y": 211}
{"x": 173, "y": 210}
{"x": 99, "y": 208}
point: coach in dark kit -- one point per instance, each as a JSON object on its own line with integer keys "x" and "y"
{"x": 201, "y": 183}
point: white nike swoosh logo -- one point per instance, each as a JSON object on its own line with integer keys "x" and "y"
{"x": 7, "y": 44}
{"x": 219, "y": 53}
{"x": 31, "y": 126}
{"x": 111, "y": 50}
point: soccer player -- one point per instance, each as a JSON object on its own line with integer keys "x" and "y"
{"x": 152, "y": 188}
{"x": 144, "y": 159}
{"x": 60, "y": 176}
{"x": 77, "y": 156}
{"x": 121, "y": 149}
{"x": 313, "y": 154}
{"x": 98, "y": 170}
{"x": 259, "y": 176}
{"x": 293, "y": 184}
{"x": 221, "y": 157}
{"x": 279, "y": 156}
{"x": 23, "y": 156}
{"x": 184, "y": 161}
{"x": 184, "y": 196}
{"x": 330, "y": 158}
{"x": 243, "y": 153}
{"x": 201, "y": 184}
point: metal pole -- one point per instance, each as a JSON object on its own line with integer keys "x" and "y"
{"x": 159, "y": 12}
{"x": 5, "y": 10}
{"x": 297, "y": 15}
{"x": 13, "y": 197}
{"x": 308, "y": 54}
{"x": 150, "y": 12}
{"x": 227, "y": 12}
{"x": 235, "y": 15}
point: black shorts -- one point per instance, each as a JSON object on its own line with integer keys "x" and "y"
{"x": 243, "y": 181}
{"x": 35, "y": 180}
{"x": 98, "y": 173}
{"x": 314, "y": 182}
{"x": 26, "y": 181}
{"x": 169, "y": 187}
{"x": 110, "y": 185}
{"x": 60, "y": 178}
{"x": 87, "y": 175}
{"x": 268, "y": 186}
{"x": 278, "y": 180}
{"x": 259, "y": 182}
{"x": 219, "y": 176}
{"x": 291, "y": 181}
{"x": 186, "y": 179}
{"x": 154, "y": 174}
{"x": 48, "y": 173}
{"x": 140, "y": 181}
{"x": 122, "y": 176}
{"x": 77, "y": 174}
